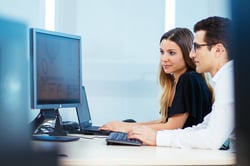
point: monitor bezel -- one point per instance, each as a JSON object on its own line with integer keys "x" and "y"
{"x": 34, "y": 99}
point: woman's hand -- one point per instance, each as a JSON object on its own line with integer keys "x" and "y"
{"x": 117, "y": 126}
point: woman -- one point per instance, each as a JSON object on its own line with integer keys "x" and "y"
{"x": 186, "y": 96}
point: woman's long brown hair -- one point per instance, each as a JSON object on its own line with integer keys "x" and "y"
{"x": 183, "y": 37}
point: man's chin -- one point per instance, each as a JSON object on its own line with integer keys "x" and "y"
{"x": 198, "y": 70}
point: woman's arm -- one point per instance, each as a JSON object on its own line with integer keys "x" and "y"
{"x": 125, "y": 126}
{"x": 174, "y": 122}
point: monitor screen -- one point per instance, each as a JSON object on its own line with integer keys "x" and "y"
{"x": 56, "y": 69}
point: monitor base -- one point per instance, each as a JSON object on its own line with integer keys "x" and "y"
{"x": 58, "y": 134}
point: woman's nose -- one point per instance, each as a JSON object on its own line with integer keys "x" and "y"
{"x": 164, "y": 57}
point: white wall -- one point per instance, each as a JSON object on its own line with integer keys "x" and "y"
{"x": 120, "y": 48}
{"x": 120, "y": 55}
{"x": 29, "y": 12}
{"x": 191, "y": 11}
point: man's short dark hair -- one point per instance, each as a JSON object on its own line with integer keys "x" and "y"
{"x": 218, "y": 30}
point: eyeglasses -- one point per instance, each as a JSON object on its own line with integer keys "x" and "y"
{"x": 197, "y": 46}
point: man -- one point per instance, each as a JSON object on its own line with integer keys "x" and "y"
{"x": 211, "y": 53}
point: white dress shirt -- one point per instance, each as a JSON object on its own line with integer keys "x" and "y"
{"x": 217, "y": 126}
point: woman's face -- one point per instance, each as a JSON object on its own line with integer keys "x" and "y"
{"x": 172, "y": 60}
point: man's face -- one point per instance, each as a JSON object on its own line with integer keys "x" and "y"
{"x": 202, "y": 56}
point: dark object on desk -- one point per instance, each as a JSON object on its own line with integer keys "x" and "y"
{"x": 55, "y": 132}
{"x": 226, "y": 145}
{"x": 54, "y": 138}
{"x": 48, "y": 127}
{"x": 70, "y": 125}
{"x": 129, "y": 120}
{"x": 45, "y": 129}
{"x": 91, "y": 130}
{"x": 121, "y": 138}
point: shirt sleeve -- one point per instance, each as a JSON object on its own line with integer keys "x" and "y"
{"x": 210, "y": 134}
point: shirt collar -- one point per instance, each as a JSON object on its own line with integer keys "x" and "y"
{"x": 220, "y": 72}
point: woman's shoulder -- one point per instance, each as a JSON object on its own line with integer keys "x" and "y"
{"x": 190, "y": 75}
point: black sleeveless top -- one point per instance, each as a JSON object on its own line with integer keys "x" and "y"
{"x": 192, "y": 95}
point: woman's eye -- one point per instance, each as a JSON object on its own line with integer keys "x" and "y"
{"x": 172, "y": 53}
{"x": 161, "y": 52}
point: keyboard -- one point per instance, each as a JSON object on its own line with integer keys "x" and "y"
{"x": 121, "y": 138}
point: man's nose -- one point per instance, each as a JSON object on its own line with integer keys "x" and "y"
{"x": 192, "y": 54}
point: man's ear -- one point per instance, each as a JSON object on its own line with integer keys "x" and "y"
{"x": 219, "y": 49}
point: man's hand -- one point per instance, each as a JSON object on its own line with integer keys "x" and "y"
{"x": 146, "y": 134}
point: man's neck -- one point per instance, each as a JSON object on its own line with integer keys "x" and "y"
{"x": 218, "y": 66}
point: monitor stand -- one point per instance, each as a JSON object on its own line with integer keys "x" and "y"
{"x": 58, "y": 134}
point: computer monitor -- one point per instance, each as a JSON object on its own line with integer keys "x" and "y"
{"x": 56, "y": 77}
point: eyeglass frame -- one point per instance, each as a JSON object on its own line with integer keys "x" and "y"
{"x": 197, "y": 46}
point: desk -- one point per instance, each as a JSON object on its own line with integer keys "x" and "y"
{"x": 94, "y": 151}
